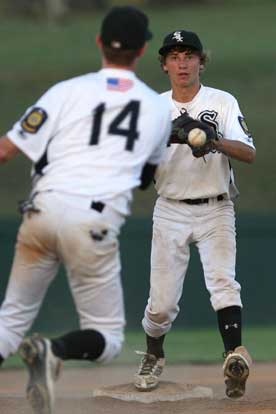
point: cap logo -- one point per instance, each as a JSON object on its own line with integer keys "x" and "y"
{"x": 177, "y": 36}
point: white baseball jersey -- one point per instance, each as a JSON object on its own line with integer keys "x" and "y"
{"x": 91, "y": 135}
{"x": 181, "y": 175}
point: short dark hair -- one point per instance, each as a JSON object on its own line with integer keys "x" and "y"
{"x": 204, "y": 56}
{"x": 120, "y": 57}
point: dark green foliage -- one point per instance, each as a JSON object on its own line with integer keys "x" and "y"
{"x": 240, "y": 37}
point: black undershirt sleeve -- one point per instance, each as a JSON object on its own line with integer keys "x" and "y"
{"x": 147, "y": 175}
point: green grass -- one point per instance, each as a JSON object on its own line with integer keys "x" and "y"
{"x": 191, "y": 346}
{"x": 240, "y": 36}
{"x": 204, "y": 345}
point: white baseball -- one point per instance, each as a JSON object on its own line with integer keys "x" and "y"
{"x": 197, "y": 137}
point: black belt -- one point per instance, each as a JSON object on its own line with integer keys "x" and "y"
{"x": 194, "y": 201}
{"x": 98, "y": 206}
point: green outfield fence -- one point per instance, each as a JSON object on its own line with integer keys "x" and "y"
{"x": 255, "y": 271}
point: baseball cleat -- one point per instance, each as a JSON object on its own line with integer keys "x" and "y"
{"x": 236, "y": 371}
{"x": 44, "y": 369}
{"x": 149, "y": 371}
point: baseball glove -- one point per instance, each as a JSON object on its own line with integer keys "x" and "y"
{"x": 181, "y": 127}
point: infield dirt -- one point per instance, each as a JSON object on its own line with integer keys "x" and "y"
{"x": 74, "y": 391}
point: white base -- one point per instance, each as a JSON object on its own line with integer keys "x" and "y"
{"x": 166, "y": 391}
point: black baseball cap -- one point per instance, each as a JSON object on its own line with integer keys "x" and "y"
{"x": 181, "y": 38}
{"x": 125, "y": 28}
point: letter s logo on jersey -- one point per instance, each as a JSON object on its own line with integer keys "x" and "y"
{"x": 209, "y": 117}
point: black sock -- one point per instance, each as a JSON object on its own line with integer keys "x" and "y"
{"x": 1, "y": 359}
{"x": 87, "y": 344}
{"x": 230, "y": 325}
{"x": 155, "y": 346}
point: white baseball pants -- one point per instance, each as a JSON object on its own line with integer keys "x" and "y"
{"x": 86, "y": 242}
{"x": 175, "y": 226}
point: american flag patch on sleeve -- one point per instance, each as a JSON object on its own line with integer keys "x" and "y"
{"x": 119, "y": 84}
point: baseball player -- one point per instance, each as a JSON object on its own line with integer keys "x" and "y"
{"x": 92, "y": 139}
{"x": 196, "y": 188}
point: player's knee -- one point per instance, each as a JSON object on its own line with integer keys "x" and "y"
{"x": 165, "y": 313}
{"x": 113, "y": 347}
{"x": 159, "y": 317}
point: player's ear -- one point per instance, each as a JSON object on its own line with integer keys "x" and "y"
{"x": 162, "y": 62}
{"x": 201, "y": 68}
{"x": 99, "y": 41}
{"x": 164, "y": 67}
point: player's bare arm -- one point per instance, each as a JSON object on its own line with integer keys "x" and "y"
{"x": 236, "y": 149}
{"x": 7, "y": 149}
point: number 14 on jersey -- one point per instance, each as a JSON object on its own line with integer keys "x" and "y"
{"x": 131, "y": 111}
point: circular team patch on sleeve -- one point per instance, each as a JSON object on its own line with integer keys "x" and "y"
{"x": 244, "y": 126}
{"x": 34, "y": 120}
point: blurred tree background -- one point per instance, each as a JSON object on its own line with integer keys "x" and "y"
{"x": 59, "y": 8}
{"x": 45, "y": 41}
